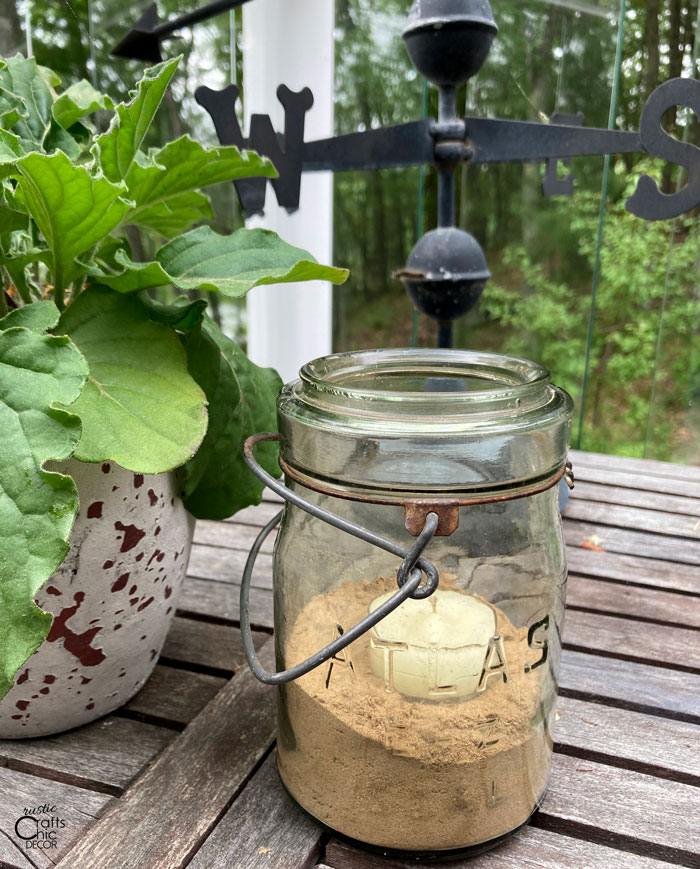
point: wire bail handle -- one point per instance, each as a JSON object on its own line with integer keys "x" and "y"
{"x": 408, "y": 577}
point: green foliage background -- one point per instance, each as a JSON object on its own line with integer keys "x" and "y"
{"x": 644, "y": 376}
{"x": 644, "y": 384}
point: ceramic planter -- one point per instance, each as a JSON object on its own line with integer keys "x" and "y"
{"x": 112, "y": 599}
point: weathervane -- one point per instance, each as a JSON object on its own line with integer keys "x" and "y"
{"x": 448, "y": 42}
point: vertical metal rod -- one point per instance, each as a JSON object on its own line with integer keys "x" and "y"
{"x": 28, "y": 29}
{"x": 447, "y": 111}
{"x": 444, "y": 333}
{"x": 91, "y": 37}
{"x": 232, "y": 45}
{"x": 420, "y": 213}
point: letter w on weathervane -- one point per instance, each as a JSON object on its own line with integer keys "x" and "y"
{"x": 285, "y": 150}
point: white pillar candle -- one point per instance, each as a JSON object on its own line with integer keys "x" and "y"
{"x": 433, "y": 647}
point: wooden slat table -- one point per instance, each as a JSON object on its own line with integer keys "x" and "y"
{"x": 185, "y": 774}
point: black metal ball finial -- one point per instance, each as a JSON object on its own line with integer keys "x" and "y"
{"x": 449, "y": 40}
{"x": 445, "y": 273}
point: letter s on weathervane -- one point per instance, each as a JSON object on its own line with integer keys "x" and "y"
{"x": 647, "y": 201}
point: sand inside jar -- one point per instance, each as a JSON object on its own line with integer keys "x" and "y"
{"x": 400, "y": 772}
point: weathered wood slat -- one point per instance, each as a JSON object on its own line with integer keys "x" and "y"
{"x": 620, "y": 495}
{"x": 642, "y": 603}
{"x": 76, "y": 807}
{"x": 630, "y": 685}
{"x": 623, "y": 802}
{"x": 226, "y": 565}
{"x": 530, "y": 848}
{"x": 231, "y": 534}
{"x": 271, "y": 497}
{"x": 639, "y": 467}
{"x": 635, "y": 518}
{"x": 172, "y": 807}
{"x": 206, "y": 597}
{"x": 627, "y": 637}
{"x": 199, "y": 643}
{"x": 263, "y": 828}
{"x": 11, "y": 857}
{"x": 630, "y": 542}
{"x": 662, "y": 485}
{"x": 633, "y": 568}
{"x": 174, "y": 696}
{"x": 258, "y": 515}
{"x": 105, "y": 755}
{"x": 628, "y": 736}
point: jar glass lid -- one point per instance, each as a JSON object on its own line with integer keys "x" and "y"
{"x": 417, "y": 420}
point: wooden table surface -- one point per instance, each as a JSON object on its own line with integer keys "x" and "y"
{"x": 185, "y": 775}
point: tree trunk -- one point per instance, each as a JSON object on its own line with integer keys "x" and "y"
{"x": 651, "y": 46}
{"x": 675, "y": 67}
{"x": 12, "y": 37}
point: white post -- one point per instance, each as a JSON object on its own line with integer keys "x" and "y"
{"x": 291, "y": 42}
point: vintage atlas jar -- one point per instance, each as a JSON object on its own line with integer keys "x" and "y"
{"x": 419, "y": 582}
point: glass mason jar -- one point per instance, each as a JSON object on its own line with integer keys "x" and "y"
{"x": 431, "y": 734}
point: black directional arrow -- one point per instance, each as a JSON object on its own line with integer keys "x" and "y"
{"x": 143, "y": 41}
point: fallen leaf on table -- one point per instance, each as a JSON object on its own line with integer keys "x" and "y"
{"x": 592, "y": 542}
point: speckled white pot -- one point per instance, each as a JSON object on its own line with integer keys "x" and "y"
{"x": 112, "y": 599}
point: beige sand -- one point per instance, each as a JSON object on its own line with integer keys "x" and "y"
{"x": 405, "y": 773}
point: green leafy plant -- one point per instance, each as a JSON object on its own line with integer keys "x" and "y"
{"x": 90, "y": 365}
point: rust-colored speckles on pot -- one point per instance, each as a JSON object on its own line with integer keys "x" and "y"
{"x": 120, "y": 582}
{"x": 132, "y": 535}
{"x": 78, "y": 645}
{"x": 103, "y": 601}
{"x": 94, "y": 511}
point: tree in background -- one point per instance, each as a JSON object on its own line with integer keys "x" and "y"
{"x": 546, "y": 58}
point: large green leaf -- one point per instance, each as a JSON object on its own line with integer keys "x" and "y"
{"x": 163, "y": 184}
{"x": 37, "y": 508}
{"x": 116, "y": 149}
{"x": 140, "y": 407}
{"x": 10, "y": 151}
{"x": 78, "y": 100}
{"x": 232, "y": 264}
{"x": 11, "y": 220}
{"x": 22, "y": 77}
{"x": 216, "y": 482}
{"x": 73, "y": 209}
{"x": 37, "y": 317}
{"x": 181, "y": 314}
{"x": 12, "y": 108}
